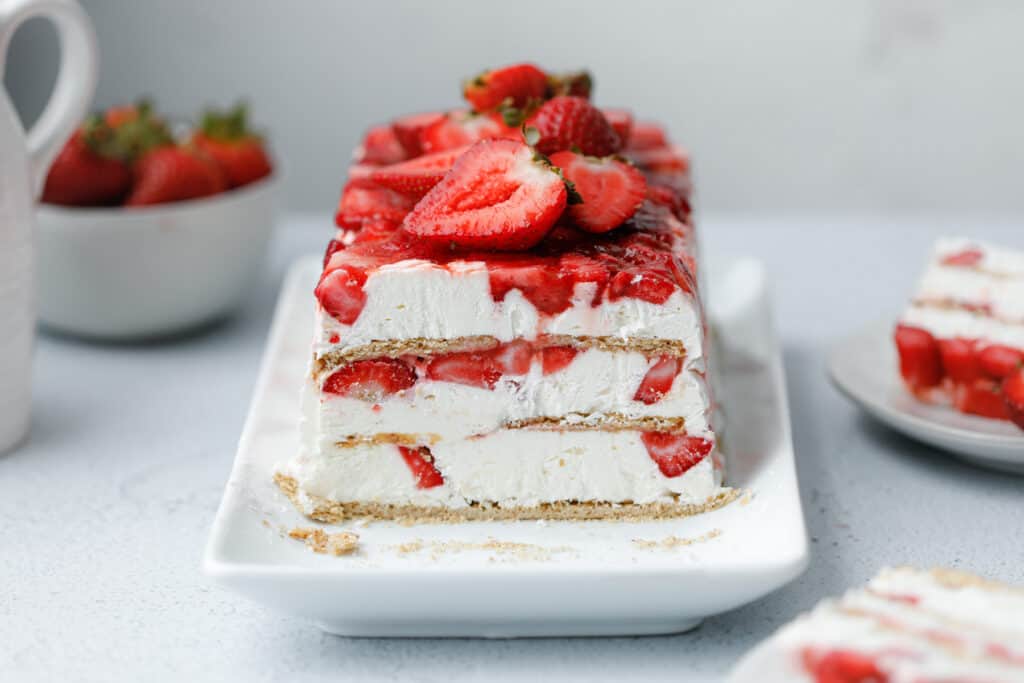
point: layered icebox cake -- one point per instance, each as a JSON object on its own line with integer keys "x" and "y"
{"x": 509, "y": 322}
{"x": 961, "y": 341}
{"x": 906, "y": 626}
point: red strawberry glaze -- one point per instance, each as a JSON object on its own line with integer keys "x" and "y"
{"x": 675, "y": 453}
{"x": 557, "y": 358}
{"x": 641, "y": 259}
{"x": 842, "y": 666}
{"x": 659, "y": 379}
{"x": 421, "y": 464}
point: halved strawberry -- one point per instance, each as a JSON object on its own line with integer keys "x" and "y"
{"x": 516, "y": 85}
{"x": 421, "y": 464}
{"x": 659, "y": 379}
{"x": 459, "y": 129}
{"x": 611, "y": 190}
{"x": 999, "y": 361}
{"x": 474, "y": 369}
{"x": 920, "y": 360}
{"x": 408, "y": 130}
{"x": 380, "y": 146}
{"x": 646, "y": 135}
{"x": 515, "y": 357}
{"x": 362, "y": 201}
{"x": 371, "y": 380}
{"x": 573, "y": 123}
{"x": 842, "y": 666}
{"x": 416, "y": 176}
{"x": 959, "y": 361}
{"x": 675, "y": 453}
{"x": 497, "y": 196}
{"x": 621, "y": 121}
{"x": 340, "y": 292}
{"x": 555, "y": 358}
{"x": 1013, "y": 396}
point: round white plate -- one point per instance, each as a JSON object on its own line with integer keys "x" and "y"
{"x": 864, "y": 367}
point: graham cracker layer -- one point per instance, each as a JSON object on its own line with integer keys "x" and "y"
{"x": 605, "y": 422}
{"x": 424, "y": 347}
{"x": 334, "y": 512}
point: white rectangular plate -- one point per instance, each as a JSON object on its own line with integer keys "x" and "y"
{"x": 504, "y": 579}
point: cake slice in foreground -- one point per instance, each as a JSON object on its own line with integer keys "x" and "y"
{"x": 501, "y": 337}
{"x": 961, "y": 341}
{"x": 906, "y": 626}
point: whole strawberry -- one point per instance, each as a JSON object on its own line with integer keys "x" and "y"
{"x": 225, "y": 137}
{"x": 94, "y": 167}
{"x": 517, "y": 85}
{"x": 573, "y": 123}
{"x": 171, "y": 174}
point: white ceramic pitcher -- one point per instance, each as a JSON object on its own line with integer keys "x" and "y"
{"x": 24, "y": 160}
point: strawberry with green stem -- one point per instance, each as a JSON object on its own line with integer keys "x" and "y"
{"x": 225, "y": 137}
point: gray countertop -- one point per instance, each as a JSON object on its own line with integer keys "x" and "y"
{"x": 104, "y": 511}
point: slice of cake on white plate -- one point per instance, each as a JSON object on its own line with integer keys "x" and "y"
{"x": 509, "y": 324}
{"x": 961, "y": 341}
{"x": 905, "y": 626}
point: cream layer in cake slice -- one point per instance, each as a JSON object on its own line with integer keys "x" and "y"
{"x": 906, "y": 626}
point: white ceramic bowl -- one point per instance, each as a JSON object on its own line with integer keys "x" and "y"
{"x": 129, "y": 273}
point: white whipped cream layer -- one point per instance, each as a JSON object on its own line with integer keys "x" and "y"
{"x": 908, "y": 634}
{"x": 995, "y": 282}
{"x": 418, "y": 299}
{"x": 510, "y": 468}
{"x": 595, "y": 383}
{"x": 945, "y": 323}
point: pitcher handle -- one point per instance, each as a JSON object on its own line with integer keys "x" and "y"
{"x": 76, "y": 80}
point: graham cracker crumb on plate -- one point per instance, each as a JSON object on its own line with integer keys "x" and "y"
{"x": 746, "y": 497}
{"x": 506, "y": 549}
{"x": 319, "y": 541}
{"x": 670, "y": 542}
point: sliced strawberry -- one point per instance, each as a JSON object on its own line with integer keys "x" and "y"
{"x": 675, "y": 453}
{"x": 672, "y": 197}
{"x": 959, "y": 361}
{"x": 646, "y": 135}
{"x": 999, "y": 361}
{"x": 340, "y": 293}
{"x": 981, "y": 397}
{"x": 380, "y": 146}
{"x": 516, "y": 85}
{"x": 967, "y": 257}
{"x": 556, "y": 358}
{"x": 515, "y": 357}
{"x": 474, "y": 369}
{"x": 409, "y": 129}
{"x": 611, "y": 190}
{"x": 421, "y": 464}
{"x": 459, "y": 129}
{"x": 1013, "y": 396}
{"x": 416, "y": 176}
{"x": 333, "y": 247}
{"x": 920, "y": 360}
{"x": 363, "y": 201}
{"x": 371, "y": 380}
{"x": 636, "y": 283}
{"x": 842, "y": 666}
{"x": 659, "y": 379}
{"x": 621, "y": 121}
{"x": 497, "y": 196}
{"x": 573, "y": 123}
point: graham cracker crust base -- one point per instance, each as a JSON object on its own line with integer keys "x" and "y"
{"x": 422, "y": 346}
{"x": 335, "y": 512}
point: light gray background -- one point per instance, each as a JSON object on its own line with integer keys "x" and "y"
{"x": 879, "y": 105}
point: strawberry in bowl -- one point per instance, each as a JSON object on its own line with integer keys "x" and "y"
{"x": 143, "y": 233}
